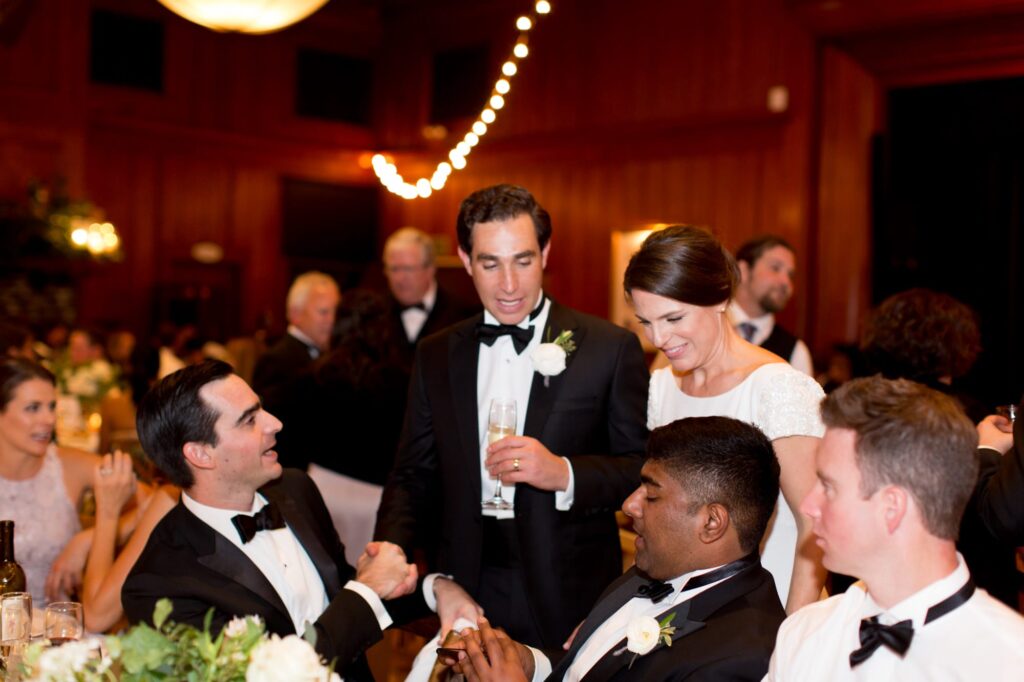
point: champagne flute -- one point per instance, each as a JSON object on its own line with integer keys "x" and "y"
{"x": 500, "y": 423}
{"x": 15, "y": 624}
{"x": 64, "y": 622}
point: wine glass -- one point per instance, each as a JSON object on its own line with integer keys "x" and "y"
{"x": 64, "y": 622}
{"x": 15, "y": 623}
{"x": 501, "y": 422}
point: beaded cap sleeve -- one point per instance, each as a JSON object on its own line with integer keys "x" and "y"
{"x": 778, "y": 399}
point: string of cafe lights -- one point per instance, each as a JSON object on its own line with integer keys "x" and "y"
{"x": 387, "y": 171}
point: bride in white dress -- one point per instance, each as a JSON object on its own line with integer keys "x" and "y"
{"x": 679, "y": 284}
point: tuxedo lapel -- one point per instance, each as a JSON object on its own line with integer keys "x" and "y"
{"x": 544, "y": 390}
{"x": 310, "y": 541}
{"x": 463, "y": 357}
{"x": 216, "y": 553}
{"x": 690, "y": 616}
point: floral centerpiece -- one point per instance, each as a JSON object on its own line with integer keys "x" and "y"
{"x": 87, "y": 381}
{"x": 241, "y": 652}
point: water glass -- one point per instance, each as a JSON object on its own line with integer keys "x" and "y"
{"x": 64, "y": 622}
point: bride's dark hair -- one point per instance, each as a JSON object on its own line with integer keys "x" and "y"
{"x": 684, "y": 263}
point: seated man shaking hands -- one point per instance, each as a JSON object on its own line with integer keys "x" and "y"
{"x": 697, "y": 605}
{"x": 249, "y": 537}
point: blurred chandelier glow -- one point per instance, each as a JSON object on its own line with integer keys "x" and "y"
{"x": 422, "y": 188}
{"x": 244, "y": 16}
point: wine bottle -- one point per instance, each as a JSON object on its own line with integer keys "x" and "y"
{"x": 12, "y": 577}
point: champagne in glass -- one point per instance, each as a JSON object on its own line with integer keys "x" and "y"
{"x": 500, "y": 424}
{"x": 15, "y": 624}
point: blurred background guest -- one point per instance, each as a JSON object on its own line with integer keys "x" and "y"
{"x": 927, "y": 337}
{"x": 346, "y": 414}
{"x": 311, "y": 310}
{"x": 767, "y": 266}
{"x": 421, "y": 307}
{"x": 16, "y": 341}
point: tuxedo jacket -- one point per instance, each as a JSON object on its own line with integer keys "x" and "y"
{"x": 447, "y": 311}
{"x": 199, "y": 569}
{"x": 279, "y": 372}
{"x": 593, "y": 413}
{"x": 279, "y": 364}
{"x": 1000, "y": 492}
{"x": 724, "y": 633}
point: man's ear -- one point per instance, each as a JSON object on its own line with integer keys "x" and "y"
{"x": 198, "y": 455}
{"x": 744, "y": 270}
{"x": 467, "y": 261}
{"x": 715, "y": 523}
{"x": 895, "y": 503}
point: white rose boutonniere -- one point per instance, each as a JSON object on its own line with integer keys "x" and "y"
{"x": 549, "y": 358}
{"x": 643, "y": 634}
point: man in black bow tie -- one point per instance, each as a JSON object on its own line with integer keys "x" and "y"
{"x": 707, "y": 491}
{"x": 895, "y": 470}
{"x": 251, "y": 538}
{"x": 421, "y": 306}
{"x": 538, "y": 566}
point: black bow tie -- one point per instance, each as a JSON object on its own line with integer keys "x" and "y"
{"x": 873, "y": 635}
{"x": 898, "y": 636}
{"x": 488, "y": 334}
{"x": 415, "y": 306}
{"x": 655, "y": 590}
{"x": 268, "y": 518}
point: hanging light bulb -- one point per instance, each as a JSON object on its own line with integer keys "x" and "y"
{"x": 509, "y": 68}
{"x": 521, "y": 50}
{"x": 524, "y": 23}
{"x": 502, "y": 86}
{"x": 487, "y": 116}
{"x": 543, "y": 7}
{"x": 244, "y": 16}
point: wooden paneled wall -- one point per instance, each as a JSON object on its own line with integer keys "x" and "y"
{"x": 626, "y": 115}
{"x": 622, "y": 115}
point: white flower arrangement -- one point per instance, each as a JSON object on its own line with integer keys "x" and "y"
{"x": 242, "y": 652}
{"x": 549, "y": 358}
{"x": 643, "y": 634}
{"x": 88, "y": 382}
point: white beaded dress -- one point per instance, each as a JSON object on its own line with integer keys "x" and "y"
{"x": 779, "y": 400}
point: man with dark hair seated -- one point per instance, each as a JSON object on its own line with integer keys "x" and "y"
{"x": 708, "y": 488}
{"x": 249, "y": 537}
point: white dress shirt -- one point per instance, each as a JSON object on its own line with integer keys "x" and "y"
{"x": 502, "y": 374}
{"x": 613, "y": 630}
{"x": 284, "y": 562}
{"x": 413, "y": 319}
{"x": 800, "y": 358}
{"x": 979, "y": 640}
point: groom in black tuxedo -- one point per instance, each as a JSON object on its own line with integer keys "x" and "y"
{"x": 251, "y": 538}
{"x": 708, "y": 490}
{"x": 537, "y": 567}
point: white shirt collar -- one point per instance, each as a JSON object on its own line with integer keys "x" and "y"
{"x": 915, "y": 607}
{"x": 220, "y": 519}
{"x": 301, "y": 336}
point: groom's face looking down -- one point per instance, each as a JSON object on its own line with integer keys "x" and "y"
{"x": 507, "y": 266}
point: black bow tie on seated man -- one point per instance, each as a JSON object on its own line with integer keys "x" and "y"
{"x": 873, "y": 635}
{"x": 655, "y": 590}
{"x": 268, "y": 518}
{"x": 899, "y": 635}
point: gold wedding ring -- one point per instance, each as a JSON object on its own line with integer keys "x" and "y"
{"x": 106, "y": 471}
{"x": 515, "y": 464}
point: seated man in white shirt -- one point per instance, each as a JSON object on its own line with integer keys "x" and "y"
{"x": 252, "y": 538}
{"x": 895, "y": 470}
{"x": 708, "y": 489}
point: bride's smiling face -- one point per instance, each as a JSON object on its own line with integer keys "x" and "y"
{"x": 689, "y": 335}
